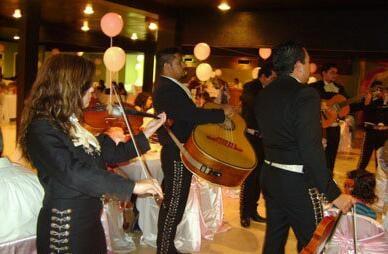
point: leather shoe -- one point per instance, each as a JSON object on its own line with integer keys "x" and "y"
{"x": 256, "y": 217}
{"x": 245, "y": 222}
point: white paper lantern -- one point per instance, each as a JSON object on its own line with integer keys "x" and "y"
{"x": 201, "y": 51}
{"x": 204, "y": 71}
{"x": 265, "y": 53}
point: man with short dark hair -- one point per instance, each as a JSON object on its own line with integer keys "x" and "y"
{"x": 175, "y": 99}
{"x": 250, "y": 189}
{"x": 288, "y": 116}
{"x": 327, "y": 88}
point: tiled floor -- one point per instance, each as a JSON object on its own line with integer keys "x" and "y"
{"x": 238, "y": 240}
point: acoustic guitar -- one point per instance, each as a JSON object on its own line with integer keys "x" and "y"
{"x": 337, "y": 107}
{"x": 219, "y": 153}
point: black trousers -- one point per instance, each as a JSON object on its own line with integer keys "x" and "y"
{"x": 373, "y": 140}
{"x": 288, "y": 204}
{"x": 333, "y": 138}
{"x": 176, "y": 187}
{"x": 250, "y": 189}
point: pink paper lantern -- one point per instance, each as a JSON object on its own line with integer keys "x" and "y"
{"x": 313, "y": 68}
{"x": 111, "y": 24}
{"x": 265, "y": 53}
{"x": 201, "y": 51}
{"x": 114, "y": 58}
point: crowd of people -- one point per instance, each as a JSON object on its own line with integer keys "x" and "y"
{"x": 283, "y": 117}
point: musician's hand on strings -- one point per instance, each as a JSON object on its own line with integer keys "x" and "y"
{"x": 344, "y": 202}
{"x": 154, "y": 125}
{"x": 148, "y": 186}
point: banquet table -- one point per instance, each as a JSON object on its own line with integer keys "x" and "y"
{"x": 203, "y": 215}
{"x": 24, "y": 245}
{"x": 7, "y": 107}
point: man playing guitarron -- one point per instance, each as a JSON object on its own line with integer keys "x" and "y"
{"x": 175, "y": 99}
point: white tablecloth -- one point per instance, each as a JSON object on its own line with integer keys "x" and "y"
{"x": 7, "y": 107}
{"x": 21, "y": 246}
{"x": 203, "y": 214}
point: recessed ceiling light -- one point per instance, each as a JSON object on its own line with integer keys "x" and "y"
{"x": 134, "y": 36}
{"x": 224, "y": 6}
{"x": 88, "y": 9}
{"x": 85, "y": 26}
{"x": 16, "y": 37}
{"x": 17, "y": 14}
{"x": 153, "y": 26}
{"x": 80, "y": 53}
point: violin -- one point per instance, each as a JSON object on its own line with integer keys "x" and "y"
{"x": 322, "y": 234}
{"x": 97, "y": 118}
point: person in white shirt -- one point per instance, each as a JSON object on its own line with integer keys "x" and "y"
{"x": 21, "y": 198}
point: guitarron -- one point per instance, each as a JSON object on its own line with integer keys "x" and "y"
{"x": 220, "y": 153}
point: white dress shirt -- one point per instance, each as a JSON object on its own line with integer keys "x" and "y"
{"x": 21, "y": 198}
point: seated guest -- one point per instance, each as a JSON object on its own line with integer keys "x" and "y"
{"x": 363, "y": 190}
{"x": 143, "y": 101}
{"x": 20, "y": 198}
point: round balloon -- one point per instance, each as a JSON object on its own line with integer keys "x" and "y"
{"x": 114, "y": 58}
{"x": 204, "y": 71}
{"x": 111, "y": 24}
{"x": 201, "y": 51}
{"x": 218, "y": 72}
{"x": 265, "y": 53}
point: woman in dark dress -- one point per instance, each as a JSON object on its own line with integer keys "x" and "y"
{"x": 71, "y": 161}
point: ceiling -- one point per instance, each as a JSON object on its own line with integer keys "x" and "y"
{"x": 69, "y": 14}
{"x": 273, "y": 4}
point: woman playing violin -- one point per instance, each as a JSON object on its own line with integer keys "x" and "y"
{"x": 71, "y": 161}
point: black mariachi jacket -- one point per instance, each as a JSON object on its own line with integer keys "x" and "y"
{"x": 68, "y": 172}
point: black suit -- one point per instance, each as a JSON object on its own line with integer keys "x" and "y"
{"x": 170, "y": 98}
{"x": 376, "y": 112}
{"x": 332, "y": 132}
{"x": 250, "y": 189}
{"x": 288, "y": 115}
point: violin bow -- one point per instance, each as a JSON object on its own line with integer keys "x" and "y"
{"x": 147, "y": 173}
{"x": 354, "y": 219}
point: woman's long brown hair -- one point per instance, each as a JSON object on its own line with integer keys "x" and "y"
{"x": 56, "y": 94}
